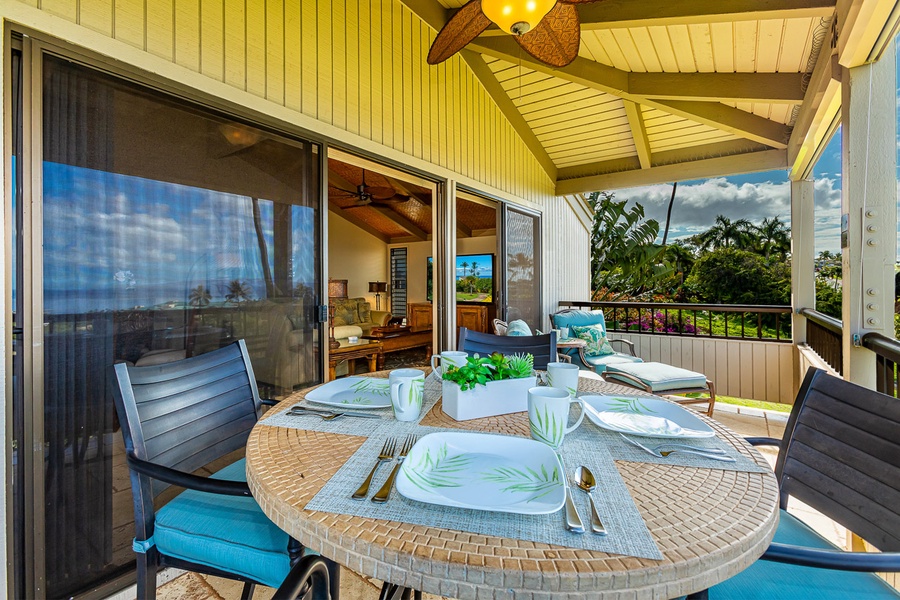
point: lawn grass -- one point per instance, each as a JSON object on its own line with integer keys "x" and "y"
{"x": 785, "y": 408}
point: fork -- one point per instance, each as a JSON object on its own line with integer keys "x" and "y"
{"x": 666, "y": 453}
{"x": 386, "y": 455}
{"x": 687, "y": 447}
{"x": 384, "y": 493}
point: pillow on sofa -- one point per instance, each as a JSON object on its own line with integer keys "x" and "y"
{"x": 597, "y": 344}
{"x": 346, "y": 311}
{"x": 365, "y": 312}
{"x": 518, "y": 327}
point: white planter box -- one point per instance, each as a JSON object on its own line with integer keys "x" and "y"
{"x": 495, "y": 398}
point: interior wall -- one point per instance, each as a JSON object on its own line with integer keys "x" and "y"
{"x": 357, "y": 256}
{"x": 417, "y": 261}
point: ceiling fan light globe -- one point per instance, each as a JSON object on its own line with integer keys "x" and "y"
{"x": 516, "y": 16}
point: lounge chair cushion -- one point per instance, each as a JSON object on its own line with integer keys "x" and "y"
{"x": 518, "y": 328}
{"x": 600, "y": 363}
{"x": 773, "y": 581}
{"x": 659, "y": 377}
{"x": 595, "y": 336}
{"x": 571, "y": 318}
{"x": 225, "y": 532}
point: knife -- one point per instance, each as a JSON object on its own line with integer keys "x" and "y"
{"x": 573, "y": 519}
{"x": 302, "y": 410}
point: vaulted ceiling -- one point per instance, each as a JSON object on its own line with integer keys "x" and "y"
{"x": 678, "y": 89}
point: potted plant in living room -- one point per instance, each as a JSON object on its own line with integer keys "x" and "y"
{"x": 488, "y": 386}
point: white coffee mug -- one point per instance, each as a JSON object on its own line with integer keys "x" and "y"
{"x": 564, "y": 332}
{"x": 407, "y": 393}
{"x": 448, "y": 357}
{"x": 563, "y": 376}
{"x": 548, "y": 414}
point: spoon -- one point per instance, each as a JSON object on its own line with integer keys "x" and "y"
{"x": 585, "y": 481}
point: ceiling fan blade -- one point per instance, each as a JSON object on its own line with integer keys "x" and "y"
{"x": 381, "y": 193}
{"x": 466, "y": 25}
{"x": 395, "y": 199}
{"x": 336, "y": 181}
{"x": 556, "y": 38}
{"x": 578, "y": 1}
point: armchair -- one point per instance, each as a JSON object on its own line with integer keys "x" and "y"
{"x": 176, "y": 418}
{"x": 582, "y": 318}
{"x": 840, "y": 455}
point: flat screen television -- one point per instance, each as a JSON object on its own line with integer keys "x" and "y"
{"x": 474, "y": 278}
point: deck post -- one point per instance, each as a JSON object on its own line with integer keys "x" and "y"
{"x": 868, "y": 209}
{"x": 803, "y": 277}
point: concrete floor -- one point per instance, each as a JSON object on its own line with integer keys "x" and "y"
{"x": 747, "y": 422}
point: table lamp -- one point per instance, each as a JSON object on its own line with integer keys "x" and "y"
{"x": 335, "y": 290}
{"x": 378, "y": 288}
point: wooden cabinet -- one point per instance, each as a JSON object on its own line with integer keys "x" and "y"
{"x": 472, "y": 316}
{"x": 418, "y": 316}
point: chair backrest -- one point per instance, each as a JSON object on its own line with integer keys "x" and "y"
{"x": 543, "y": 347}
{"x": 570, "y": 317}
{"x": 841, "y": 455}
{"x": 500, "y": 326}
{"x": 185, "y": 414}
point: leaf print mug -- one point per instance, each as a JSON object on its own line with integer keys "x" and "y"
{"x": 407, "y": 393}
{"x": 563, "y": 376}
{"x": 548, "y": 414}
{"x": 448, "y": 358}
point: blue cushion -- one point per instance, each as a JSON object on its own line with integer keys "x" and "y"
{"x": 230, "y": 533}
{"x": 518, "y": 328}
{"x": 773, "y": 581}
{"x": 579, "y": 317}
{"x": 600, "y": 363}
{"x": 660, "y": 377}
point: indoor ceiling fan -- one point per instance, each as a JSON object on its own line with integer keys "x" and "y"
{"x": 363, "y": 193}
{"x": 548, "y": 30}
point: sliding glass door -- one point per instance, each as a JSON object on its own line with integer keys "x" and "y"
{"x": 521, "y": 250}
{"x": 161, "y": 231}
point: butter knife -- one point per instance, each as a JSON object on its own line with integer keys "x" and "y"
{"x": 573, "y": 519}
{"x": 345, "y": 413}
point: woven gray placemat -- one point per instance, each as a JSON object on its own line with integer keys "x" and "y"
{"x": 628, "y": 535}
{"x": 619, "y": 449}
{"x": 355, "y": 425}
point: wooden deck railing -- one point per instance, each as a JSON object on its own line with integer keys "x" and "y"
{"x": 887, "y": 357}
{"x": 731, "y": 321}
{"x": 823, "y": 334}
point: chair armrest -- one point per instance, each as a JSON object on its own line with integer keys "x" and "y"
{"x": 632, "y": 380}
{"x": 269, "y": 402}
{"x": 629, "y": 345}
{"x": 560, "y": 357}
{"x": 187, "y": 480}
{"x": 763, "y": 441}
{"x": 834, "y": 559}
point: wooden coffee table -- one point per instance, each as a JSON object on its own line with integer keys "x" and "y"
{"x": 396, "y": 338}
{"x": 369, "y": 349}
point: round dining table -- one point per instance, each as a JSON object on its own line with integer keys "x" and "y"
{"x": 708, "y": 523}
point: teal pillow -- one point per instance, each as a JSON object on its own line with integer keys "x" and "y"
{"x": 518, "y": 327}
{"x": 597, "y": 344}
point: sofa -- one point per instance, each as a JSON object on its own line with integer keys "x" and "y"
{"x": 354, "y": 316}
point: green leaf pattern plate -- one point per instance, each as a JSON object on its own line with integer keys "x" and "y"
{"x": 353, "y": 392}
{"x": 651, "y": 417}
{"x": 483, "y": 471}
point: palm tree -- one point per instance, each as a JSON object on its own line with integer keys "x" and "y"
{"x": 774, "y": 236}
{"x": 200, "y": 296}
{"x": 726, "y": 233}
{"x": 238, "y": 291}
{"x": 474, "y": 276}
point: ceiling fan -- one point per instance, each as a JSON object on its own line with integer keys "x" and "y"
{"x": 363, "y": 193}
{"x": 548, "y": 30}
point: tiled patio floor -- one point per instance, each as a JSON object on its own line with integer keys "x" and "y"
{"x": 748, "y": 422}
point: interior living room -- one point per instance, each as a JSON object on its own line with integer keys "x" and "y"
{"x": 381, "y": 267}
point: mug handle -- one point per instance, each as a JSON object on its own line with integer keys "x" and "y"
{"x": 434, "y": 366}
{"x": 396, "y": 397}
{"x": 580, "y": 403}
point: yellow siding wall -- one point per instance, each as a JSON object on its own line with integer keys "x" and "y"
{"x": 358, "y": 65}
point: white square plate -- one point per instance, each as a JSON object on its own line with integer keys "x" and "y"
{"x": 353, "y": 392}
{"x": 650, "y": 417}
{"x": 483, "y": 471}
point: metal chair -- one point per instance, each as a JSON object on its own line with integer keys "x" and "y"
{"x": 542, "y": 347}
{"x": 840, "y": 454}
{"x": 176, "y": 418}
{"x": 307, "y": 580}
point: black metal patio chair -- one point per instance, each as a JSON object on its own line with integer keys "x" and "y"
{"x": 840, "y": 454}
{"x": 176, "y": 418}
{"x": 542, "y": 347}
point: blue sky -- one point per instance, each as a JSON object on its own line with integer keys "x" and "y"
{"x": 753, "y": 196}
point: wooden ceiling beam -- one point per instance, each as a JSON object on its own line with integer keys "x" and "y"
{"x": 402, "y": 221}
{"x": 820, "y": 109}
{"x": 728, "y": 119}
{"x": 638, "y": 132}
{"x": 679, "y": 165}
{"x": 349, "y": 216}
{"x": 463, "y": 230}
{"x": 616, "y": 14}
{"x": 716, "y": 87}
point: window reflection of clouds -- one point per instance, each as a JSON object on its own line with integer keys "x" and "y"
{"x": 170, "y": 237}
